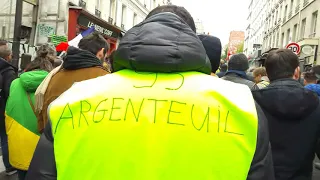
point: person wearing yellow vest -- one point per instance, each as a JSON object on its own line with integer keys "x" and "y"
{"x": 159, "y": 116}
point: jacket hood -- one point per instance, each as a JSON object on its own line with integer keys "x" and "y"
{"x": 4, "y": 64}
{"x": 162, "y": 43}
{"x": 32, "y": 79}
{"x": 287, "y": 99}
{"x": 77, "y": 59}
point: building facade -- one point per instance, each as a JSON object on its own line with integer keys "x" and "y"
{"x": 199, "y": 26}
{"x": 294, "y": 21}
{"x": 254, "y": 31}
{"x": 235, "y": 40}
{"x": 69, "y": 17}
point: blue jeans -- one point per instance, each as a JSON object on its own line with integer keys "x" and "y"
{"x": 4, "y": 148}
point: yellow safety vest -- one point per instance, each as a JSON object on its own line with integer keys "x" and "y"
{"x": 154, "y": 126}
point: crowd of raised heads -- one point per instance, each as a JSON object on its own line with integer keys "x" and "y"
{"x": 162, "y": 106}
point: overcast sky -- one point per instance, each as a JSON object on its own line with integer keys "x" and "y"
{"x": 219, "y": 16}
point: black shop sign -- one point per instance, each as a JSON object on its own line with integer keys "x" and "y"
{"x": 84, "y": 21}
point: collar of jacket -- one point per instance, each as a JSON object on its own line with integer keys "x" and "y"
{"x": 5, "y": 64}
{"x": 162, "y": 43}
{"x": 242, "y": 74}
{"x": 285, "y": 82}
{"x": 77, "y": 59}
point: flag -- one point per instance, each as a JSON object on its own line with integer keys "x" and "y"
{"x": 75, "y": 41}
{"x": 63, "y": 46}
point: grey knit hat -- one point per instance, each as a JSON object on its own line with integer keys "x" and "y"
{"x": 238, "y": 62}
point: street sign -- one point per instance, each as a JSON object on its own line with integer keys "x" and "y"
{"x": 33, "y": 2}
{"x": 294, "y": 47}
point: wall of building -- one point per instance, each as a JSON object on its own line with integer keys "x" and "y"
{"x": 53, "y": 15}
{"x": 256, "y": 25}
{"x": 296, "y": 23}
{"x": 235, "y": 39}
{"x": 199, "y": 26}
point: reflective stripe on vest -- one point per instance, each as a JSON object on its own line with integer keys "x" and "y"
{"x": 153, "y": 126}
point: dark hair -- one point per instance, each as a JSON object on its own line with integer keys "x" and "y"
{"x": 94, "y": 43}
{"x": 316, "y": 69}
{"x": 310, "y": 77}
{"x": 111, "y": 61}
{"x": 177, "y": 10}
{"x": 46, "y": 56}
{"x": 223, "y": 67}
{"x": 281, "y": 63}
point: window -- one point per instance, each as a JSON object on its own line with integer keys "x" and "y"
{"x": 314, "y": 24}
{"x": 303, "y": 28}
{"x": 291, "y": 5}
{"x": 288, "y": 36}
{"x": 294, "y": 34}
{"x": 123, "y": 16}
{"x": 135, "y": 19}
{"x": 97, "y": 9}
{"x": 112, "y": 11}
{"x": 97, "y": 4}
{"x": 285, "y": 12}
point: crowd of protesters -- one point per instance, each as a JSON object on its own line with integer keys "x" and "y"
{"x": 162, "y": 106}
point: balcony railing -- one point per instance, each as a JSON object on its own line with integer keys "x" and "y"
{"x": 110, "y": 20}
{"x": 297, "y": 8}
{"x": 290, "y": 15}
{"x": 97, "y": 13}
{"x": 284, "y": 19}
{"x": 305, "y": 3}
{"x": 82, "y": 4}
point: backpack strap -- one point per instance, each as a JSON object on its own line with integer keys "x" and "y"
{"x": 31, "y": 104}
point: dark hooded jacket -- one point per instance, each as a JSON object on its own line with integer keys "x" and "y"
{"x": 8, "y": 74}
{"x": 161, "y": 43}
{"x": 293, "y": 113}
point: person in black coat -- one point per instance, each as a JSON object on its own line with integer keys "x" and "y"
{"x": 293, "y": 114}
{"x": 7, "y": 75}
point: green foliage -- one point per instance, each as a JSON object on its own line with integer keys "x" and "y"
{"x": 240, "y": 47}
{"x": 225, "y": 52}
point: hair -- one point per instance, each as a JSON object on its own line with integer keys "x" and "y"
{"x": 310, "y": 77}
{"x": 46, "y": 56}
{"x": 281, "y": 64}
{"x": 3, "y": 42}
{"x": 111, "y": 61}
{"x": 260, "y": 71}
{"x": 316, "y": 69}
{"x": 94, "y": 43}
{"x": 177, "y": 10}
{"x": 4, "y": 51}
{"x": 223, "y": 67}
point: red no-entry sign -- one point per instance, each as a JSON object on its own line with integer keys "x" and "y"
{"x": 294, "y": 47}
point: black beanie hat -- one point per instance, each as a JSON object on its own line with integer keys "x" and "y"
{"x": 213, "y": 47}
{"x": 238, "y": 62}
